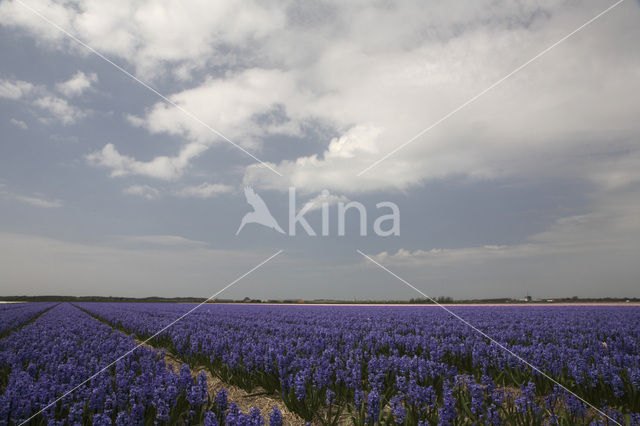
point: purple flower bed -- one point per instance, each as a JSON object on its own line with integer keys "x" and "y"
{"x": 64, "y": 347}
{"x": 13, "y": 315}
{"x": 407, "y": 365}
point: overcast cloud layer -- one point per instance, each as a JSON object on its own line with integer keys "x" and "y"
{"x": 106, "y": 188}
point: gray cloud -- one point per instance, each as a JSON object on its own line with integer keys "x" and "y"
{"x": 14, "y": 89}
{"x": 35, "y": 200}
{"x": 19, "y": 123}
{"x": 542, "y": 170}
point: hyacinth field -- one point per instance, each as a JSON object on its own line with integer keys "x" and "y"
{"x": 327, "y": 364}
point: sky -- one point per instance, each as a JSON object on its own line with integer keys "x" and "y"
{"x": 129, "y": 131}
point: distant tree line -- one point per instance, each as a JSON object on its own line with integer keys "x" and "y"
{"x": 441, "y": 300}
{"x": 425, "y": 301}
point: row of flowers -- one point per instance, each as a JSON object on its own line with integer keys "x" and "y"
{"x": 13, "y": 315}
{"x": 64, "y": 347}
{"x": 410, "y": 364}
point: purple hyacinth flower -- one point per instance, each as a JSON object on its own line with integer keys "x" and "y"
{"x": 275, "y": 418}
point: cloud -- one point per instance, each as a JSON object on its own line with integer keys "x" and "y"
{"x": 35, "y": 200}
{"x": 371, "y": 76}
{"x": 145, "y": 191}
{"x": 401, "y": 92}
{"x": 325, "y": 197}
{"x": 204, "y": 190}
{"x": 161, "y": 241}
{"x": 375, "y": 89}
{"x": 15, "y": 89}
{"x": 19, "y": 123}
{"x": 161, "y": 167}
{"x": 60, "y": 109}
{"x": 592, "y": 254}
{"x": 404, "y": 85}
{"x": 152, "y": 36}
{"x": 234, "y": 103}
{"x": 122, "y": 265}
{"x": 237, "y": 104}
{"x": 333, "y": 169}
{"x": 135, "y": 120}
{"x": 40, "y": 97}
{"x": 617, "y": 172}
{"x": 460, "y": 256}
{"x": 77, "y": 84}
{"x": 611, "y": 229}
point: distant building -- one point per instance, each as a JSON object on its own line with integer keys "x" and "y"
{"x": 527, "y": 298}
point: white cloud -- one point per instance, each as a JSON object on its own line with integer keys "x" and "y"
{"x": 533, "y": 123}
{"x": 378, "y": 95}
{"x": 231, "y": 103}
{"x": 204, "y": 190}
{"x": 333, "y": 169}
{"x": 15, "y": 89}
{"x": 376, "y": 76}
{"x": 467, "y": 255}
{"x": 60, "y": 109}
{"x": 169, "y": 241}
{"x": 145, "y": 191}
{"x": 153, "y": 36}
{"x": 38, "y": 202}
{"x": 395, "y": 70}
{"x": 38, "y": 96}
{"x": 35, "y": 200}
{"x": 161, "y": 167}
{"x": 77, "y": 84}
{"x": 325, "y": 197}
{"x": 134, "y": 120}
{"x": 19, "y": 123}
